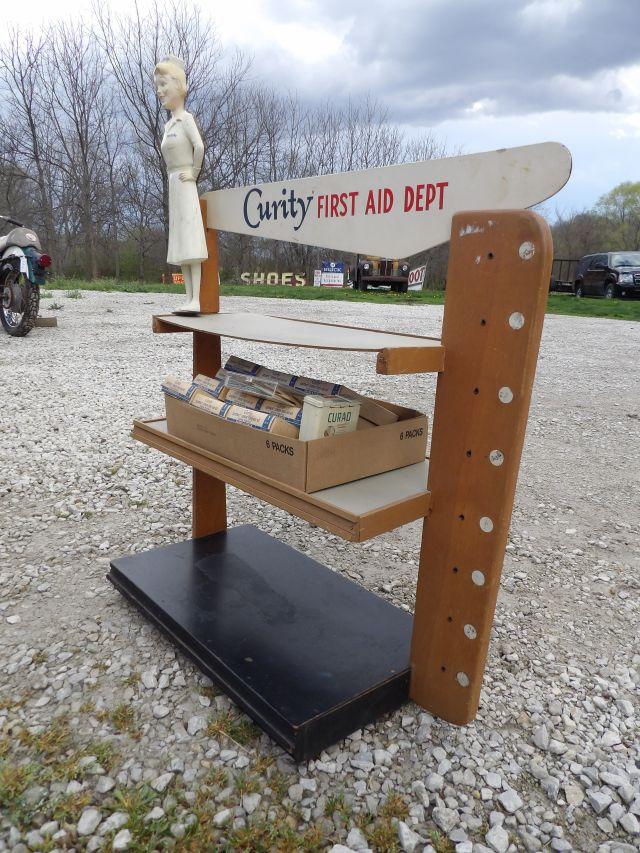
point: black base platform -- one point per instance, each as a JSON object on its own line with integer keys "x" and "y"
{"x": 309, "y": 655}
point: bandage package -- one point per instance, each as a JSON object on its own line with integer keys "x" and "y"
{"x": 326, "y": 416}
{"x": 202, "y": 394}
{"x": 370, "y": 410}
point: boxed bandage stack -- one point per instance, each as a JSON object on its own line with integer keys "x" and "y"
{"x": 370, "y": 410}
{"x": 304, "y": 433}
{"x": 208, "y": 395}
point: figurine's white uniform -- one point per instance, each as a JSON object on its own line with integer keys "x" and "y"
{"x": 182, "y": 149}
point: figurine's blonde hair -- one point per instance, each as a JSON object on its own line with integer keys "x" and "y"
{"x": 173, "y": 67}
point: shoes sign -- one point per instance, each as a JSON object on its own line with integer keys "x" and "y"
{"x": 393, "y": 211}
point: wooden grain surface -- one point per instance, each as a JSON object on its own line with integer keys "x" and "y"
{"x": 410, "y": 360}
{"x": 210, "y": 280}
{"x": 496, "y": 296}
{"x": 209, "y": 500}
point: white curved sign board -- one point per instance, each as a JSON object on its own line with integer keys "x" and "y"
{"x": 394, "y": 211}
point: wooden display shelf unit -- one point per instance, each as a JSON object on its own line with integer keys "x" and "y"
{"x": 495, "y": 302}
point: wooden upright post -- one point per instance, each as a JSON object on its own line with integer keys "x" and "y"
{"x": 497, "y": 285}
{"x": 209, "y": 493}
{"x": 210, "y": 281}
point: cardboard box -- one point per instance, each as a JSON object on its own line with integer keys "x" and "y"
{"x": 305, "y": 465}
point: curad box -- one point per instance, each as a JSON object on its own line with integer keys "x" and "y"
{"x": 305, "y": 465}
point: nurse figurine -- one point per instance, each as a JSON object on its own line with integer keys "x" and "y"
{"x": 183, "y": 151}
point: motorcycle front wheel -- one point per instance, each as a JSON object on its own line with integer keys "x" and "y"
{"x": 19, "y": 303}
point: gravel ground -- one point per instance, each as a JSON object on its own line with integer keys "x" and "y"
{"x": 109, "y": 739}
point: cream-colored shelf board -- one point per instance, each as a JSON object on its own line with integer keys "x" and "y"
{"x": 355, "y": 511}
{"x": 424, "y": 354}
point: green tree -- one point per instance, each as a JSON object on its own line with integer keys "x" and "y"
{"x": 620, "y": 208}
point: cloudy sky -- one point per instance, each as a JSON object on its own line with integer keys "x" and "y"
{"x": 481, "y": 74}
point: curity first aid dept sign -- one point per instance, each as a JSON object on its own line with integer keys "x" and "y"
{"x": 393, "y": 211}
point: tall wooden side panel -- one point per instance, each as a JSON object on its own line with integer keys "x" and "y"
{"x": 497, "y": 285}
{"x": 210, "y": 281}
{"x": 209, "y": 493}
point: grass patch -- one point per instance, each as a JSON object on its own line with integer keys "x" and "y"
{"x": 262, "y": 764}
{"x": 51, "y": 743}
{"x": 557, "y": 303}
{"x": 237, "y": 729}
{"x": 280, "y": 784}
{"x": 281, "y": 834}
{"x": 336, "y": 804}
{"x": 138, "y": 802}
{"x": 383, "y": 836}
{"x": 394, "y": 806}
{"x": 612, "y": 309}
{"x": 440, "y": 843}
{"x": 56, "y": 306}
{"x": 69, "y": 808}
{"x": 14, "y": 781}
{"x": 246, "y": 783}
{"x": 105, "y": 752}
{"x": 122, "y": 718}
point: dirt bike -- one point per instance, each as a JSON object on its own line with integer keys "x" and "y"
{"x": 23, "y": 268}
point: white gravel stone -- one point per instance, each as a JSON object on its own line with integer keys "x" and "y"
{"x": 599, "y": 801}
{"x": 434, "y": 782}
{"x": 540, "y": 737}
{"x": 573, "y": 793}
{"x": 250, "y": 802}
{"x": 155, "y": 814}
{"x": 510, "y": 801}
{"x": 296, "y": 793}
{"x": 105, "y": 784}
{"x": 445, "y": 818}
{"x": 356, "y": 840}
{"x": 114, "y": 822}
{"x": 610, "y": 738}
{"x": 89, "y": 821}
{"x": 629, "y": 822}
{"x": 409, "y": 839}
{"x": 162, "y": 782}
{"x": 196, "y": 724}
{"x": 498, "y": 839}
{"x": 222, "y": 817}
{"x": 122, "y": 841}
{"x": 49, "y": 828}
{"x": 161, "y": 711}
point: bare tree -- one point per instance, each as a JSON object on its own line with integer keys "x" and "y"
{"x": 85, "y": 155}
{"x": 22, "y": 80}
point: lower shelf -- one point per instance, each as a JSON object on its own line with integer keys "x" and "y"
{"x": 308, "y": 654}
{"x": 355, "y": 511}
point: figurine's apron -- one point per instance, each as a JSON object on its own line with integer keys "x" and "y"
{"x": 187, "y": 242}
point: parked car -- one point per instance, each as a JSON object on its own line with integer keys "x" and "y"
{"x": 610, "y": 274}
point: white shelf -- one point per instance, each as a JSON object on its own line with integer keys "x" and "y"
{"x": 356, "y": 511}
